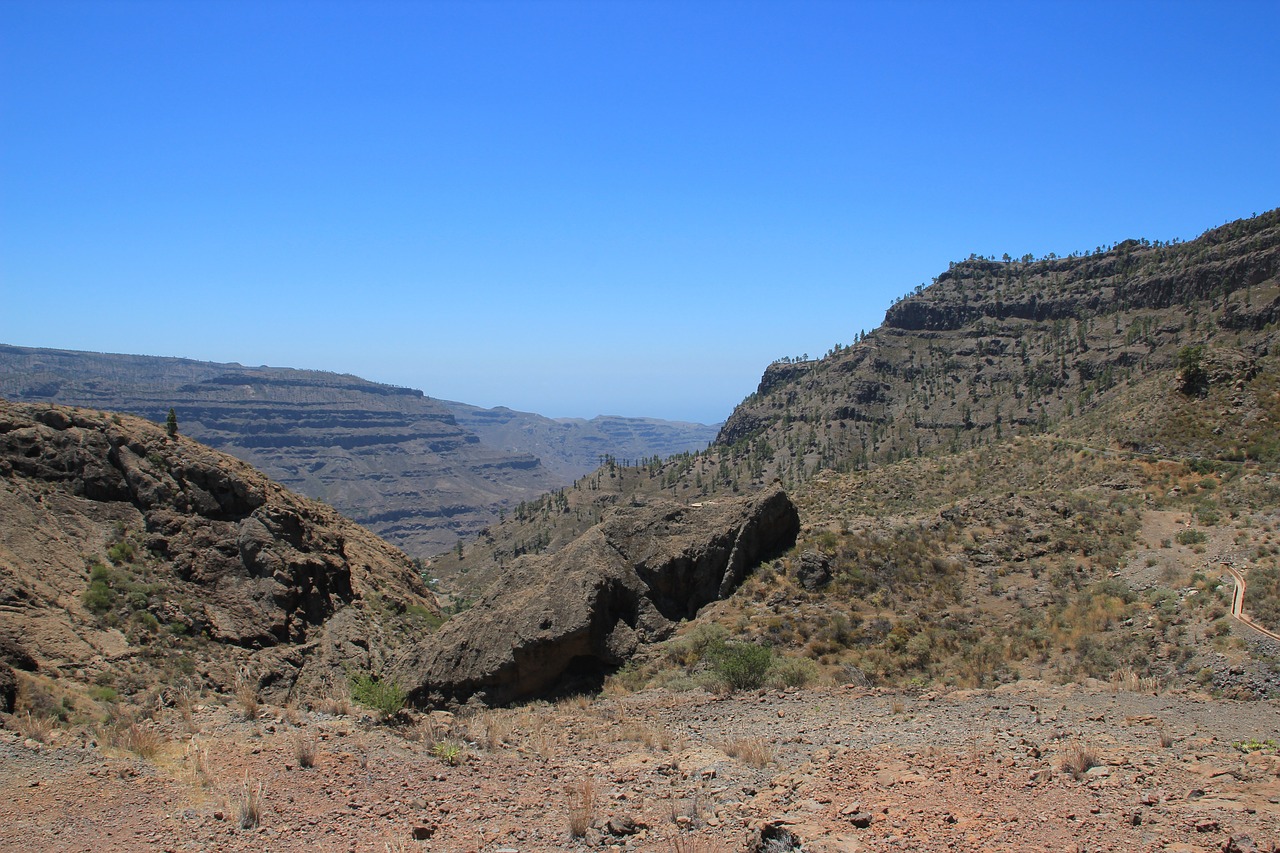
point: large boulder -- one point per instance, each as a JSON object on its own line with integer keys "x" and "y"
{"x": 571, "y": 617}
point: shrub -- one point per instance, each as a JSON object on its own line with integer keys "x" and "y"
{"x": 100, "y": 596}
{"x": 386, "y": 697}
{"x": 121, "y": 552}
{"x": 743, "y": 666}
{"x": 1191, "y": 537}
{"x": 793, "y": 672}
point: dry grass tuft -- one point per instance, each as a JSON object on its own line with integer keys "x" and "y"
{"x": 304, "y": 749}
{"x": 249, "y": 802}
{"x": 642, "y": 733}
{"x": 336, "y": 705}
{"x": 185, "y": 698}
{"x": 1078, "y": 760}
{"x": 492, "y": 729}
{"x": 198, "y": 757}
{"x": 692, "y": 844}
{"x": 582, "y": 806}
{"x": 754, "y": 751}
{"x": 1129, "y": 680}
{"x": 1126, "y": 680}
{"x": 248, "y": 698}
{"x": 578, "y": 702}
{"x": 143, "y": 740}
{"x": 1166, "y": 738}
{"x": 247, "y": 694}
{"x": 38, "y": 728}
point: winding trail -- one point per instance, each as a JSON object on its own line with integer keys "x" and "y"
{"x": 1237, "y": 604}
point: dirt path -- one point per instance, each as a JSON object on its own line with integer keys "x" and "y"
{"x": 1237, "y": 603}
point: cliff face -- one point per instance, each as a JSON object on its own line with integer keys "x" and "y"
{"x": 132, "y": 558}
{"x": 390, "y": 458}
{"x": 992, "y": 349}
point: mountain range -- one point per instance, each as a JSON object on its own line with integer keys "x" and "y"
{"x": 415, "y": 470}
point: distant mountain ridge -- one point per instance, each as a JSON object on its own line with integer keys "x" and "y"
{"x": 572, "y": 447}
{"x": 391, "y": 458}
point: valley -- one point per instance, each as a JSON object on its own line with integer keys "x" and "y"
{"x": 967, "y": 583}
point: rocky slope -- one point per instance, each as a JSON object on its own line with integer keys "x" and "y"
{"x": 419, "y": 472}
{"x": 993, "y": 349}
{"x": 131, "y": 560}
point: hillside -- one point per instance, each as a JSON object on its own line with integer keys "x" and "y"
{"x": 390, "y": 458}
{"x": 993, "y": 349}
{"x": 132, "y": 563}
{"x": 1033, "y": 468}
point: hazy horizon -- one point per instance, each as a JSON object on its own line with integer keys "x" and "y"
{"x": 577, "y": 208}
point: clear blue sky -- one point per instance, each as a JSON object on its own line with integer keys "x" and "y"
{"x": 590, "y": 207}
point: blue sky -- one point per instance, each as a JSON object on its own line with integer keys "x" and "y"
{"x": 579, "y": 208}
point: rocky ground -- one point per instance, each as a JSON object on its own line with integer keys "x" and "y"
{"x": 1027, "y": 766}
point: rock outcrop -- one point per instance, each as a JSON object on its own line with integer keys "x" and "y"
{"x": 583, "y": 611}
{"x": 131, "y": 557}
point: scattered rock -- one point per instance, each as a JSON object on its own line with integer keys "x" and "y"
{"x": 813, "y": 570}
{"x": 775, "y": 838}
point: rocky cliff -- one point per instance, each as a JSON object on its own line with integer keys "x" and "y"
{"x": 568, "y": 618}
{"x": 133, "y": 559}
{"x": 992, "y": 349}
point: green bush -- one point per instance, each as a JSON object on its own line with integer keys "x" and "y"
{"x": 121, "y": 552}
{"x": 100, "y": 596}
{"x": 793, "y": 672}
{"x": 103, "y": 693}
{"x": 743, "y": 666}
{"x": 386, "y": 697}
{"x": 1191, "y": 537}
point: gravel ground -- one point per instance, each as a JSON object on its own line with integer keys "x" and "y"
{"x": 820, "y": 770}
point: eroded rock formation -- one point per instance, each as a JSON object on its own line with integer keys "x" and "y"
{"x": 124, "y": 552}
{"x": 584, "y": 610}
